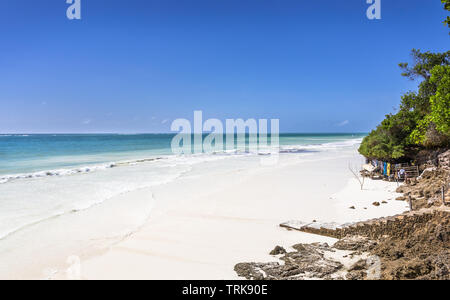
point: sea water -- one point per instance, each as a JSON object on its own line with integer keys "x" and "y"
{"x": 22, "y": 155}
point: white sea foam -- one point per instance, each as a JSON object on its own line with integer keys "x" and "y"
{"x": 59, "y": 172}
{"x": 189, "y": 159}
{"x": 26, "y": 204}
{"x": 320, "y": 147}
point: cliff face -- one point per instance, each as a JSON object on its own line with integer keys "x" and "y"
{"x": 444, "y": 161}
{"x": 428, "y": 158}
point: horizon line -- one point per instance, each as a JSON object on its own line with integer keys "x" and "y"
{"x": 148, "y": 133}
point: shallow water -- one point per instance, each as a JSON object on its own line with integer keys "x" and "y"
{"x": 27, "y": 154}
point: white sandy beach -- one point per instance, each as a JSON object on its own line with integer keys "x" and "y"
{"x": 198, "y": 226}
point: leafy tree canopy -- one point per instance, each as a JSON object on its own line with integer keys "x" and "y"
{"x": 446, "y": 7}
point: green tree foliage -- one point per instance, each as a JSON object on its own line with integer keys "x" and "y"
{"x": 446, "y": 7}
{"x": 389, "y": 140}
{"x": 440, "y": 102}
{"x": 434, "y": 128}
{"x": 424, "y": 116}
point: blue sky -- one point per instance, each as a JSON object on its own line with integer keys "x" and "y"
{"x": 134, "y": 66}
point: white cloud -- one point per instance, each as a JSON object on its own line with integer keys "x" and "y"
{"x": 86, "y": 122}
{"x": 343, "y": 123}
{"x": 164, "y": 121}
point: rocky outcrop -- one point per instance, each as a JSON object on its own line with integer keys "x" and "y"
{"x": 422, "y": 254}
{"x": 414, "y": 245}
{"x": 308, "y": 261}
{"x": 278, "y": 250}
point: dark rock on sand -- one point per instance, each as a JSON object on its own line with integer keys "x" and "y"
{"x": 308, "y": 261}
{"x": 278, "y": 250}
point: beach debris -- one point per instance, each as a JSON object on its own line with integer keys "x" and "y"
{"x": 376, "y": 204}
{"x": 278, "y": 250}
{"x": 384, "y": 202}
{"x": 352, "y": 207}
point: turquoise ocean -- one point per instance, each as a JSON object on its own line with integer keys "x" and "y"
{"x": 25, "y": 154}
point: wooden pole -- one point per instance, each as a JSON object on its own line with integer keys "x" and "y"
{"x": 443, "y": 194}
